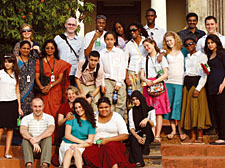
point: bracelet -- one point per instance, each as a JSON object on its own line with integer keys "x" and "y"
{"x": 51, "y": 85}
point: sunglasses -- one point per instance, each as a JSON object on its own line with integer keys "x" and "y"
{"x": 188, "y": 44}
{"x": 26, "y": 30}
{"x": 133, "y": 30}
{"x": 101, "y": 17}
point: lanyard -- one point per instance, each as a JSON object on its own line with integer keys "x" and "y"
{"x": 52, "y": 68}
{"x": 27, "y": 67}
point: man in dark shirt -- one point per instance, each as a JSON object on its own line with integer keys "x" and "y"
{"x": 192, "y": 31}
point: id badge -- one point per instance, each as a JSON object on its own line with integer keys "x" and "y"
{"x": 52, "y": 78}
{"x": 28, "y": 78}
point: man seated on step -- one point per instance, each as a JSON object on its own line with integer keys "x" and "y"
{"x": 89, "y": 78}
{"x": 36, "y": 130}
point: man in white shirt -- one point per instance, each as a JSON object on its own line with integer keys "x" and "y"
{"x": 70, "y": 46}
{"x": 211, "y": 26}
{"x": 94, "y": 40}
{"x": 36, "y": 130}
{"x": 153, "y": 30}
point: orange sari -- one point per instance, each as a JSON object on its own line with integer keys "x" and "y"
{"x": 57, "y": 94}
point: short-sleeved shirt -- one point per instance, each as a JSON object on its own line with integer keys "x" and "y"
{"x": 89, "y": 36}
{"x": 64, "y": 109}
{"x": 187, "y": 33}
{"x": 35, "y": 127}
{"x": 154, "y": 66}
{"x": 65, "y": 52}
{"x": 87, "y": 76}
{"x": 114, "y": 127}
{"x": 80, "y": 132}
{"x": 7, "y": 86}
{"x": 156, "y": 33}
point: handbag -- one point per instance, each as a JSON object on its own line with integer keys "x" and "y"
{"x": 43, "y": 79}
{"x": 158, "y": 88}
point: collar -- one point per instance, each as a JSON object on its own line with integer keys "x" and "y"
{"x": 195, "y": 54}
{"x": 113, "y": 50}
{"x": 196, "y": 31}
{"x": 87, "y": 68}
{"x": 43, "y": 116}
{"x": 75, "y": 37}
{"x": 155, "y": 28}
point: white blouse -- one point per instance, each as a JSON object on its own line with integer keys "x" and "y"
{"x": 193, "y": 67}
{"x": 135, "y": 54}
{"x": 176, "y": 68}
{"x": 114, "y": 127}
{"x": 7, "y": 86}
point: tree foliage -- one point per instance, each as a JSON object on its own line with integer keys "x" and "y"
{"x": 46, "y": 16}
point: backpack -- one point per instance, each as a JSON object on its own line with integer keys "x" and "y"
{"x": 97, "y": 68}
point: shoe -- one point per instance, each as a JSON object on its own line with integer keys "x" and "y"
{"x": 138, "y": 164}
{"x": 44, "y": 166}
{"x": 55, "y": 160}
{"x": 7, "y": 156}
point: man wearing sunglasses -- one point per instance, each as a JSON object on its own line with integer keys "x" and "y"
{"x": 70, "y": 47}
{"x": 94, "y": 40}
{"x": 211, "y": 26}
{"x": 153, "y": 30}
{"x": 191, "y": 31}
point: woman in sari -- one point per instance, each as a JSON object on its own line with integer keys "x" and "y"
{"x": 57, "y": 70}
{"x": 26, "y": 62}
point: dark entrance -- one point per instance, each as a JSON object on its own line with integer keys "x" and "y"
{"x": 125, "y": 11}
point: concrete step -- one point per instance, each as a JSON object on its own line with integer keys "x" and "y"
{"x": 193, "y": 162}
{"x": 192, "y": 150}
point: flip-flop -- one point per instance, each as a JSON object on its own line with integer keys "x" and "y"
{"x": 184, "y": 137}
{"x": 171, "y": 136}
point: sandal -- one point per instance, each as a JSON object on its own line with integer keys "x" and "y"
{"x": 171, "y": 135}
{"x": 157, "y": 139}
{"x": 138, "y": 164}
{"x": 199, "y": 141}
{"x": 183, "y": 137}
{"x": 7, "y": 156}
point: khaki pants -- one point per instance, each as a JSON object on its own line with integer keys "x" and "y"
{"x": 90, "y": 89}
{"x": 46, "y": 150}
{"x": 120, "y": 106}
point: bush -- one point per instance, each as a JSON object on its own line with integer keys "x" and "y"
{"x": 46, "y": 16}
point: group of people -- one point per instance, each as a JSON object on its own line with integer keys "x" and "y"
{"x": 74, "y": 93}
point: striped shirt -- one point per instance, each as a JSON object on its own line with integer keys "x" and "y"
{"x": 35, "y": 127}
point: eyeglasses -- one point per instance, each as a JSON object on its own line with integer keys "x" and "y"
{"x": 133, "y": 30}
{"x": 101, "y": 17}
{"x": 26, "y": 30}
{"x": 191, "y": 43}
{"x": 70, "y": 24}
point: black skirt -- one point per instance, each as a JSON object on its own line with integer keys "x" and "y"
{"x": 8, "y": 114}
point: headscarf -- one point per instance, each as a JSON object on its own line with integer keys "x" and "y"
{"x": 140, "y": 112}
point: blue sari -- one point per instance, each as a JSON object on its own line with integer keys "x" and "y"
{"x": 26, "y": 88}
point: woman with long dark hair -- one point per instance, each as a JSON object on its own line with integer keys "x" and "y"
{"x": 26, "y": 62}
{"x": 216, "y": 83}
{"x": 79, "y": 134}
{"x": 135, "y": 52}
{"x": 120, "y": 30}
{"x": 57, "y": 70}
{"x": 10, "y": 106}
{"x": 141, "y": 121}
